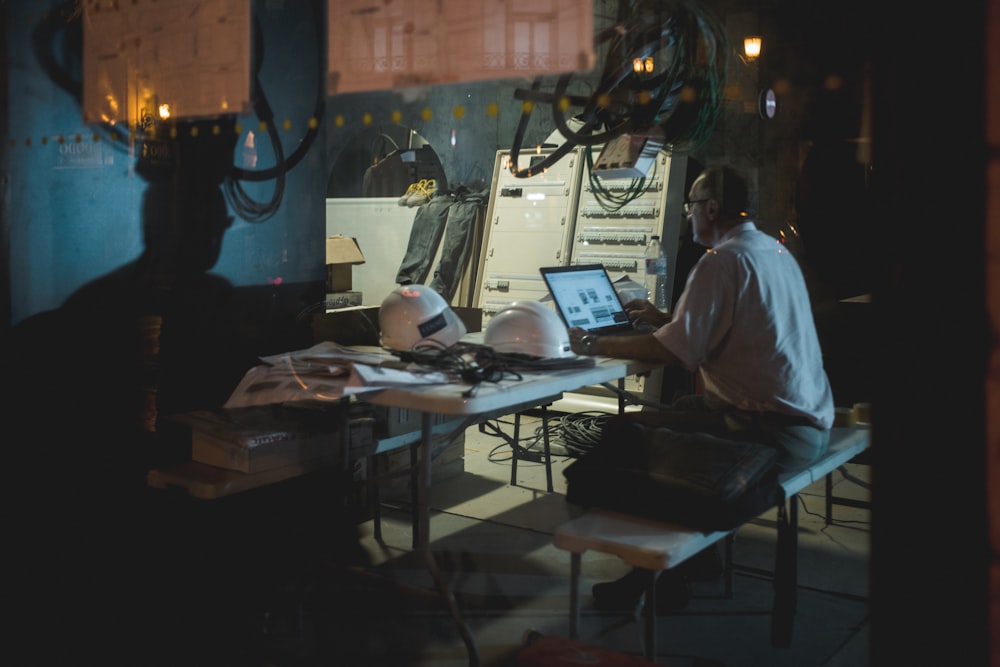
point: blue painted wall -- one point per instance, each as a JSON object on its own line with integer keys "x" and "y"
{"x": 72, "y": 201}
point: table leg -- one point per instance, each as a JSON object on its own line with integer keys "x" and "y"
{"x": 574, "y": 595}
{"x": 514, "y": 449}
{"x": 649, "y": 608}
{"x": 785, "y": 575}
{"x": 423, "y": 540}
{"x": 548, "y": 455}
{"x": 415, "y": 477}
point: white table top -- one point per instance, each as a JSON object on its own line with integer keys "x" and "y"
{"x": 507, "y": 395}
{"x": 319, "y": 373}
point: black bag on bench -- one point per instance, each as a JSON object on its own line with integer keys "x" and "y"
{"x": 698, "y": 481}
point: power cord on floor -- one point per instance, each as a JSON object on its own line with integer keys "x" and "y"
{"x": 854, "y": 480}
{"x": 525, "y": 452}
{"x": 580, "y": 431}
{"x": 805, "y": 508}
{"x": 571, "y": 435}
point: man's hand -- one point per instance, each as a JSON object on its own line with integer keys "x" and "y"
{"x": 641, "y": 310}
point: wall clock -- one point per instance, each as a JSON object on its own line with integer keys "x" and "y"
{"x": 767, "y": 103}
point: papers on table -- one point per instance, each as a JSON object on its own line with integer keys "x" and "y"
{"x": 327, "y": 372}
{"x": 371, "y": 378}
{"x": 330, "y": 353}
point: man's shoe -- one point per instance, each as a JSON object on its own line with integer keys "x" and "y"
{"x": 625, "y": 594}
{"x": 673, "y": 592}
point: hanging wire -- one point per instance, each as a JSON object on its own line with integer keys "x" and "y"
{"x": 607, "y": 199}
{"x": 66, "y": 20}
{"x": 243, "y": 203}
{"x": 682, "y": 96}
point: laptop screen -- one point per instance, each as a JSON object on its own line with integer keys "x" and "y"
{"x": 586, "y": 298}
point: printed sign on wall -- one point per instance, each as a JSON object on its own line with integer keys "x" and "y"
{"x": 381, "y": 45}
{"x": 146, "y": 60}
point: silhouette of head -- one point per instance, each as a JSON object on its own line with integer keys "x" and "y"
{"x": 184, "y": 210}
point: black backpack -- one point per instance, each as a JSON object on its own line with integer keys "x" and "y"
{"x": 693, "y": 479}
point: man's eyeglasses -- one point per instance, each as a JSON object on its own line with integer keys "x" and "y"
{"x": 689, "y": 204}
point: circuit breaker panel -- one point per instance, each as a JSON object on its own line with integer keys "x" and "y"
{"x": 614, "y": 220}
{"x": 616, "y": 217}
{"x": 567, "y": 215}
{"x": 529, "y": 224}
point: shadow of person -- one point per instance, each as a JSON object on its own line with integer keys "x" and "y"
{"x": 157, "y": 335}
{"x": 93, "y": 384}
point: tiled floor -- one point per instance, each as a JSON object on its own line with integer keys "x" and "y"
{"x": 492, "y": 543}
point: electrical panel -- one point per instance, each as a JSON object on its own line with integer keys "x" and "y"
{"x": 567, "y": 215}
{"x": 529, "y": 224}
{"x": 616, "y": 217}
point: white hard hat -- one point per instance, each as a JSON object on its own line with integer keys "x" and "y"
{"x": 530, "y": 328}
{"x": 416, "y": 314}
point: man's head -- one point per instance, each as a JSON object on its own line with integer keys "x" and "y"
{"x": 716, "y": 202}
{"x": 184, "y": 224}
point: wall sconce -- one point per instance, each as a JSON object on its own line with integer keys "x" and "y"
{"x": 751, "y": 48}
{"x": 639, "y": 65}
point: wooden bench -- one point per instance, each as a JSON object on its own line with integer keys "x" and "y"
{"x": 657, "y": 545}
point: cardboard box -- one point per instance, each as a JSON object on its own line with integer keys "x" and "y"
{"x": 392, "y": 421}
{"x": 392, "y": 469}
{"x": 264, "y": 437}
{"x": 341, "y": 254}
{"x": 335, "y": 300}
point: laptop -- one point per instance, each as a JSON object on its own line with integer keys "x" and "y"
{"x": 586, "y": 298}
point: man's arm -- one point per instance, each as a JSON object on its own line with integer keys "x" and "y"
{"x": 641, "y": 348}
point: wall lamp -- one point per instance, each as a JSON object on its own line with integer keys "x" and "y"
{"x": 751, "y": 48}
{"x": 642, "y": 64}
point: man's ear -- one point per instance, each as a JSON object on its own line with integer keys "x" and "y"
{"x": 712, "y": 208}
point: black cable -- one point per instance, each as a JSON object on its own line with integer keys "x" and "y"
{"x": 248, "y": 209}
{"x": 683, "y": 97}
{"x": 851, "y": 478}
{"x": 608, "y": 200}
{"x": 524, "y": 453}
{"x": 242, "y": 202}
{"x": 472, "y": 363}
{"x": 833, "y": 522}
{"x": 491, "y": 427}
{"x": 631, "y": 399}
{"x": 313, "y": 129}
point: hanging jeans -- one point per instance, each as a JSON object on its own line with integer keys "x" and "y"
{"x": 455, "y": 217}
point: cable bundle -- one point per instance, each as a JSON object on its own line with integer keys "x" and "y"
{"x": 571, "y": 435}
{"x": 580, "y": 431}
{"x": 681, "y": 94}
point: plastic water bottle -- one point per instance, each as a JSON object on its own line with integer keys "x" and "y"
{"x": 656, "y": 273}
